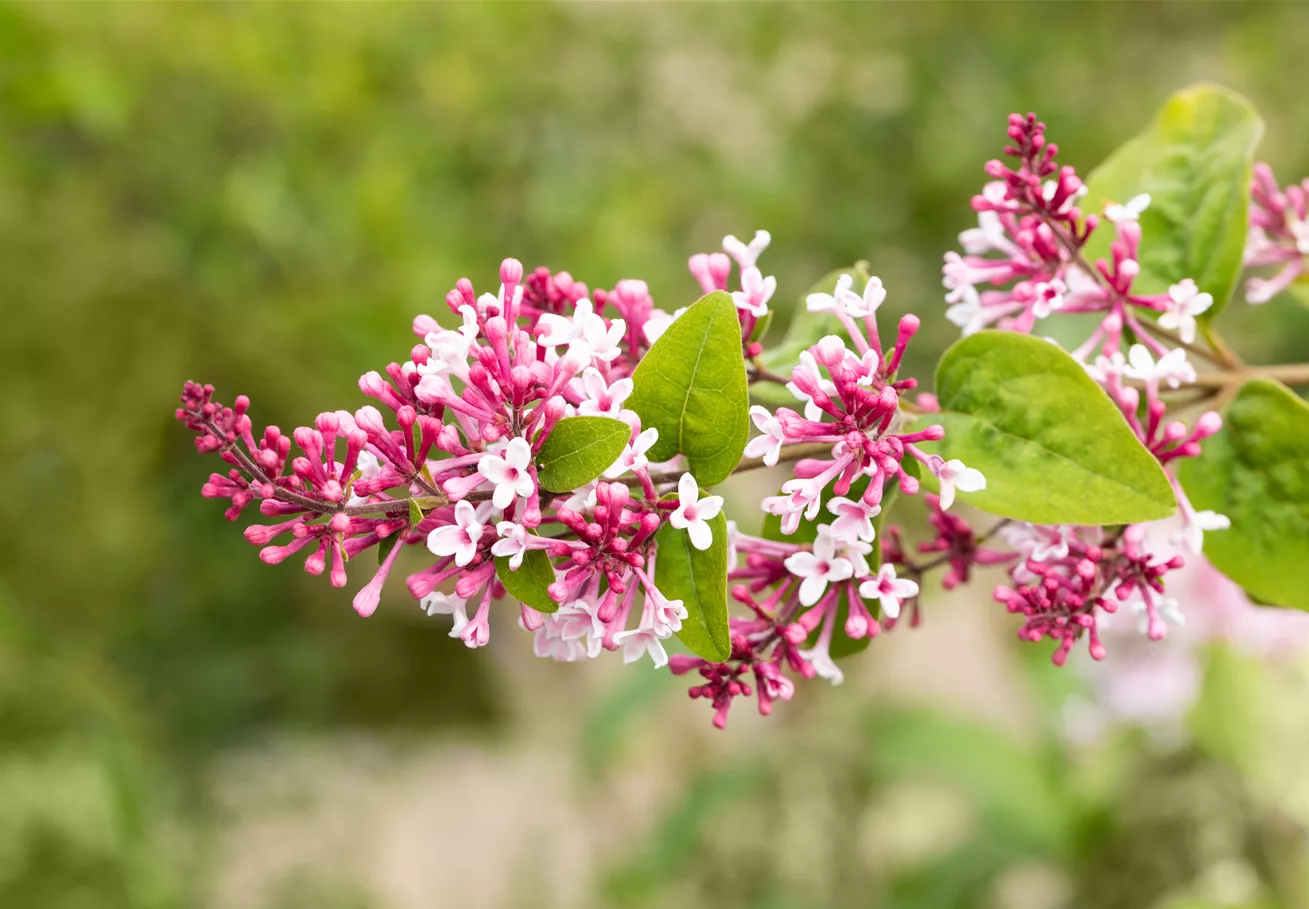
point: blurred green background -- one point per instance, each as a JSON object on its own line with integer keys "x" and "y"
{"x": 262, "y": 196}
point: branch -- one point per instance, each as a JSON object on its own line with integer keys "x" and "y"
{"x": 1220, "y": 356}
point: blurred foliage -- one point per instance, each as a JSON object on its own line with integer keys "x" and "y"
{"x": 262, "y": 196}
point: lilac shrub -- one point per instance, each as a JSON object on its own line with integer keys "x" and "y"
{"x": 559, "y": 446}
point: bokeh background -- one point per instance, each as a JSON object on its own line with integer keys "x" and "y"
{"x": 262, "y": 196}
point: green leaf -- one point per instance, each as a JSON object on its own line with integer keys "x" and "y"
{"x": 530, "y": 582}
{"x": 1194, "y": 160}
{"x": 1053, "y": 448}
{"x": 805, "y": 329}
{"x": 691, "y": 386}
{"x": 415, "y": 513}
{"x": 699, "y": 579}
{"x": 1255, "y": 470}
{"x": 579, "y": 450}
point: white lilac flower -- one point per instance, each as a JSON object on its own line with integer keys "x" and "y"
{"x": 512, "y": 543}
{"x": 580, "y": 621}
{"x": 952, "y": 475}
{"x": 584, "y": 332}
{"x": 509, "y": 473}
{"x": 1184, "y": 303}
{"x": 694, "y": 513}
{"x": 1131, "y": 211}
{"x": 769, "y": 445}
{"x": 603, "y": 399}
{"x": 1171, "y": 368}
{"x": 637, "y": 642}
{"x": 843, "y": 301}
{"x": 968, "y": 313}
{"x": 460, "y": 538}
{"x": 818, "y": 568}
{"x": 888, "y": 590}
{"x": 633, "y": 457}
{"x": 437, "y": 603}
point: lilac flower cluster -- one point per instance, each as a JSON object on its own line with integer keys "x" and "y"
{"x": 1028, "y": 253}
{"x": 448, "y": 458}
{"x": 1278, "y": 236}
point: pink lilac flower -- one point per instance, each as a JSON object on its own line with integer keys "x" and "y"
{"x": 1067, "y": 579}
{"x": 888, "y": 590}
{"x": 1278, "y": 235}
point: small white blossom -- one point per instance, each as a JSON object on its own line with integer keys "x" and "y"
{"x": 694, "y": 513}
{"x": 888, "y": 590}
{"x": 819, "y": 567}
{"x": 580, "y": 621}
{"x": 1129, "y": 212}
{"x": 584, "y": 333}
{"x": 603, "y": 399}
{"x": 510, "y": 473}
{"x": 637, "y": 642}
{"x": 512, "y": 543}
{"x": 633, "y": 457}
{"x": 952, "y": 475}
{"x": 1197, "y": 523}
{"x": 769, "y": 445}
{"x": 658, "y": 323}
{"x": 1172, "y": 367}
{"x": 437, "y": 603}
{"x": 968, "y": 313}
{"x": 843, "y": 301}
{"x": 460, "y": 538}
{"x": 1184, "y": 303}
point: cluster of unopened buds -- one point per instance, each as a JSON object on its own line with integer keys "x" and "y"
{"x": 448, "y": 458}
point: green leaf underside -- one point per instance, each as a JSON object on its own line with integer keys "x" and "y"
{"x": 1053, "y": 448}
{"x": 579, "y": 450}
{"x": 692, "y": 387}
{"x": 1255, "y": 470}
{"x": 699, "y": 579}
{"x": 1194, "y": 160}
{"x": 805, "y": 329}
{"x": 385, "y": 546}
{"x": 530, "y": 582}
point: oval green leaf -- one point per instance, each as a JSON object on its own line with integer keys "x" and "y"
{"x": 699, "y": 579}
{"x": 1053, "y": 448}
{"x": 691, "y": 386}
{"x": 579, "y": 450}
{"x": 530, "y": 582}
{"x": 1194, "y": 160}
{"x": 1255, "y": 470}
